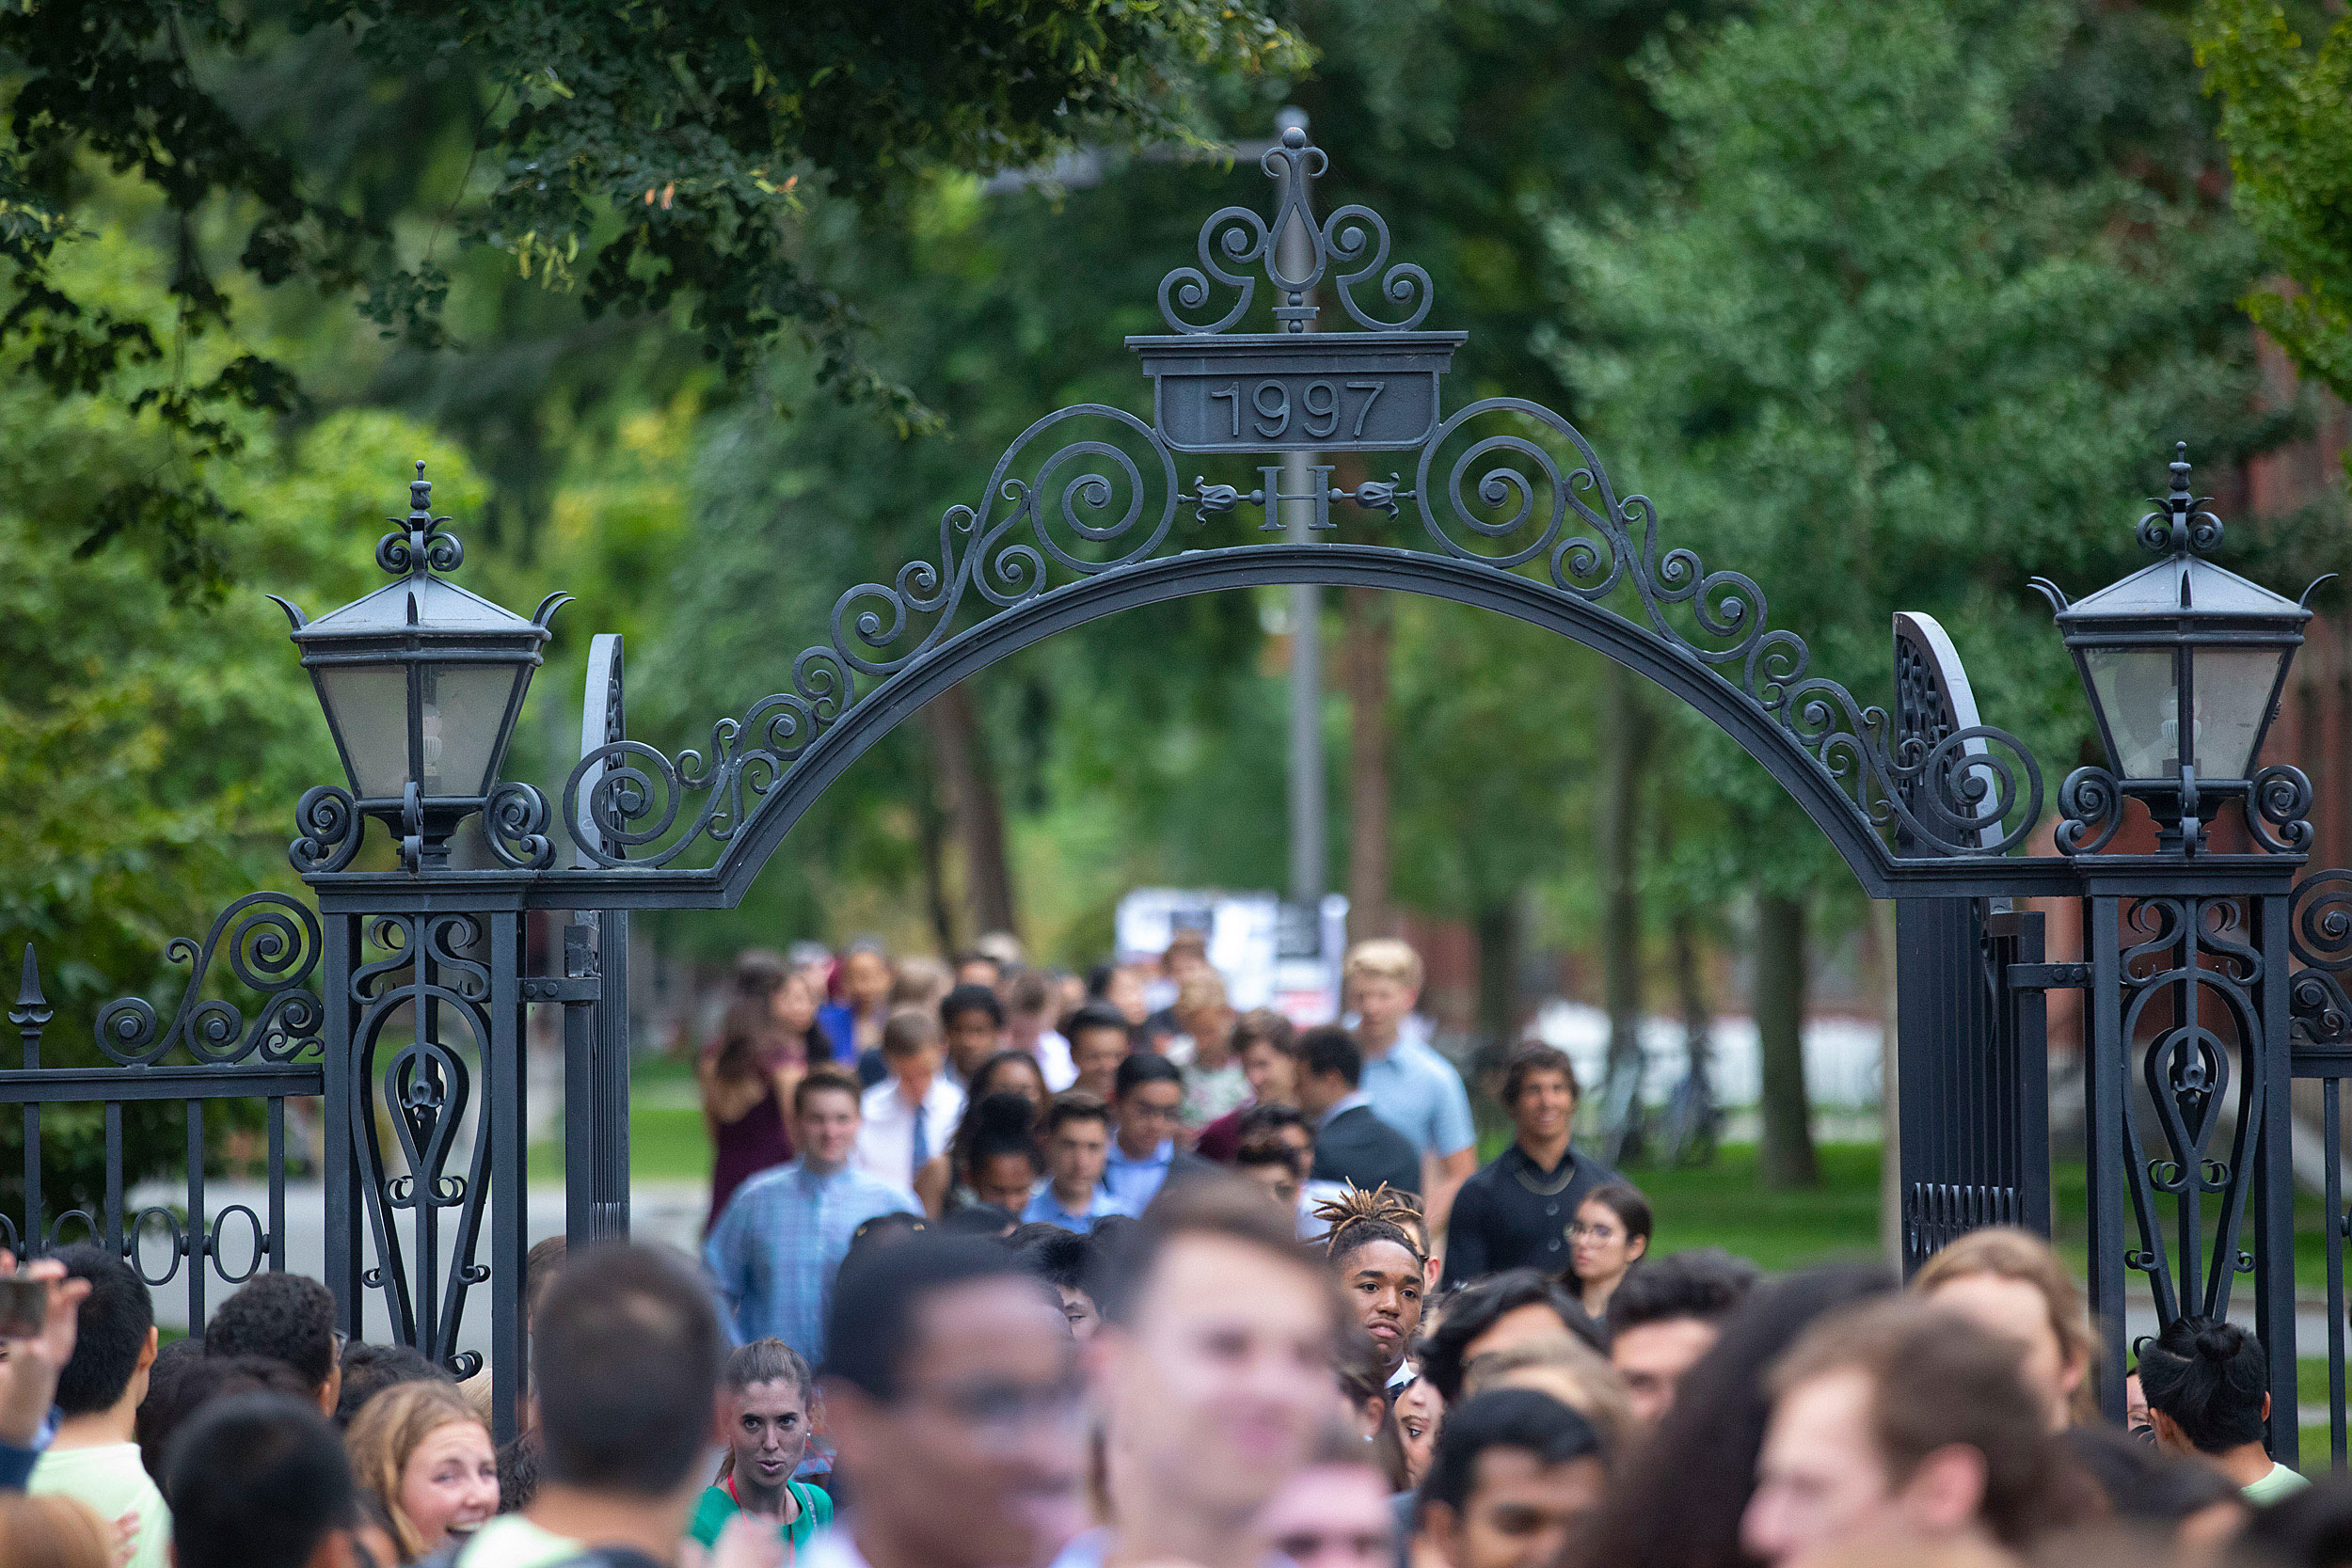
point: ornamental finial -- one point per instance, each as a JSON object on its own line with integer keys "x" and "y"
{"x": 2179, "y": 526}
{"x": 1298, "y": 252}
{"x": 417, "y": 545}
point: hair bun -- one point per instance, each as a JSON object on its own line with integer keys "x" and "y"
{"x": 2220, "y": 1341}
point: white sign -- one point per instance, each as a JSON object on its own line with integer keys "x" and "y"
{"x": 1247, "y": 945}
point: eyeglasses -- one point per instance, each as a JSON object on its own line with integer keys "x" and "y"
{"x": 1597, "y": 1232}
{"x": 1142, "y": 1110}
{"x": 1005, "y": 1409}
{"x": 1310, "y": 1545}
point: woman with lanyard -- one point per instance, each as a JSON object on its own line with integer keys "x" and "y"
{"x": 768, "y": 1388}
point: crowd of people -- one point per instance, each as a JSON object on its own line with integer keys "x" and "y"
{"x": 1143, "y": 1288}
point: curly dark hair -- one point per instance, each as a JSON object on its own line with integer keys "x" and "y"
{"x": 287, "y": 1317}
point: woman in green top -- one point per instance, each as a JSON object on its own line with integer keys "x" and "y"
{"x": 767, "y": 1386}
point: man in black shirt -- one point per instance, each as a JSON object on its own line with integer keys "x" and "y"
{"x": 1516, "y": 1213}
{"x": 1352, "y": 1144}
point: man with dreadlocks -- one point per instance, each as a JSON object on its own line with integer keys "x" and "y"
{"x": 1371, "y": 1250}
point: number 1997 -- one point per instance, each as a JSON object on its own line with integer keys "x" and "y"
{"x": 1321, "y": 407}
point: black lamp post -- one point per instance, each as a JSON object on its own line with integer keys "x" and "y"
{"x": 2183, "y": 662}
{"x": 422, "y": 682}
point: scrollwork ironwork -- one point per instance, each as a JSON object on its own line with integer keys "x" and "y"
{"x": 424, "y": 1089}
{"x": 515, "y": 823}
{"x": 271, "y": 941}
{"x": 2319, "y": 936}
{"x": 2180, "y": 521}
{"x": 419, "y": 543}
{"x": 2280, "y": 798}
{"x": 1233, "y": 238}
{"x": 1088, "y": 507}
{"x": 330, "y": 827}
{"x": 1502, "y": 486}
{"x": 1534, "y": 493}
{"x": 2090, "y": 804}
{"x": 2187, "y": 988}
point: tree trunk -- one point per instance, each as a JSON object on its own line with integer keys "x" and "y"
{"x": 1698, "y": 1012}
{"x": 1624, "y": 742}
{"x": 1499, "y": 925}
{"x": 930, "y": 825}
{"x": 1364, "y": 614}
{"x": 1779, "y": 1002}
{"x": 975, "y": 807}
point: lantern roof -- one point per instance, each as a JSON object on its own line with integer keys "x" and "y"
{"x": 2184, "y": 585}
{"x": 2184, "y": 591}
{"x": 421, "y": 603}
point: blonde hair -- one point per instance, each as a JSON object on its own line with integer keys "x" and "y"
{"x": 1205, "y": 990}
{"x": 1384, "y": 958}
{"x": 2006, "y": 1252}
{"x": 1569, "y": 1370}
{"x": 387, "y": 1431}
{"x": 52, "y": 1531}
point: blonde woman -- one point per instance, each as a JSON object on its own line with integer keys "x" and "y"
{"x": 420, "y": 1449}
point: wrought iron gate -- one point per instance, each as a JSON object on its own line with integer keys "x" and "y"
{"x": 413, "y": 1037}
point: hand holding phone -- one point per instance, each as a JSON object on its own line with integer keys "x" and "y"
{"x": 29, "y": 1378}
{"x": 23, "y": 1305}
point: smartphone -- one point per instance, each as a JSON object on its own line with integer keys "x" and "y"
{"x": 23, "y": 1305}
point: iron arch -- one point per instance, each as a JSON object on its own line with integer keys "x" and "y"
{"x": 1158, "y": 581}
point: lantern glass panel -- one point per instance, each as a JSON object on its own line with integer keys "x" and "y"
{"x": 368, "y": 706}
{"x": 465, "y": 709}
{"x": 2140, "y": 701}
{"x": 2233, "y": 691}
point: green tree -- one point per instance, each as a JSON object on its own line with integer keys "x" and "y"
{"x": 2284, "y": 118}
{"x": 647, "y": 161}
{"x": 1894, "y": 333}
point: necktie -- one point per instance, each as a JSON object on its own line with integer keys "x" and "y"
{"x": 922, "y": 1143}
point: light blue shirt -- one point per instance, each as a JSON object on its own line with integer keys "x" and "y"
{"x": 1135, "y": 1182}
{"x": 776, "y": 1248}
{"x": 1417, "y": 1091}
{"x": 1045, "y": 1209}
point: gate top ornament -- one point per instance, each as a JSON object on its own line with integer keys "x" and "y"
{"x": 1244, "y": 237}
{"x": 1288, "y": 390}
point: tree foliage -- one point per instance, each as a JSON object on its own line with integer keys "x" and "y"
{"x": 645, "y": 159}
{"x": 2286, "y": 117}
{"x": 1899, "y": 332}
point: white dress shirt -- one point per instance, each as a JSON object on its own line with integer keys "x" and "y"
{"x": 885, "y": 1145}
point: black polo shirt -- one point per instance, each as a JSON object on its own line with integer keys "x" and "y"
{"x": 1515, "y": 1214}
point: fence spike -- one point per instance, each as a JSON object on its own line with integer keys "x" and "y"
{"x": 32, "y": 1008}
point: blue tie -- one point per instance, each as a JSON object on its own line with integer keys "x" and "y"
{"x": 922, "y": 1143}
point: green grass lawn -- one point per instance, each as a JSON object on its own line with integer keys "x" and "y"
{"x": 667, "y": 1141}
{"x": 1726, "y": 1204}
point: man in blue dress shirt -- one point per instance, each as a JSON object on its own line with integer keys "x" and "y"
{"x": 776, "y": 1248}
{"x": 1077, "y": 1136}
{"x": 1143, "y": 1153}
